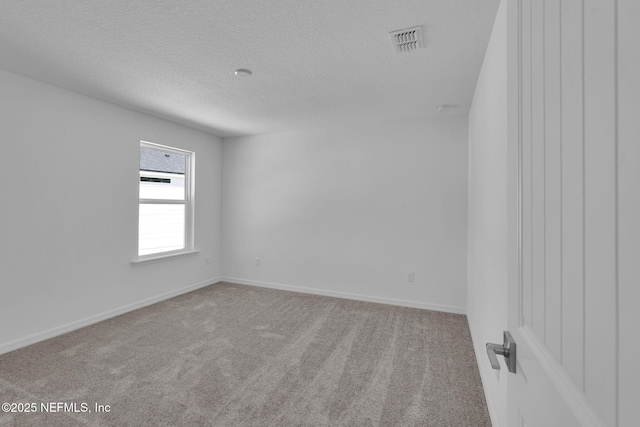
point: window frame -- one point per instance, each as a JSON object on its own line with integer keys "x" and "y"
{"x": 188, "y": 202}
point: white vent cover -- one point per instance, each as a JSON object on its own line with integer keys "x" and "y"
{"x": 407, "y": 40}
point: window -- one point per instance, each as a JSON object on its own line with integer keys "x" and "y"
{"x": 165, "y": 218}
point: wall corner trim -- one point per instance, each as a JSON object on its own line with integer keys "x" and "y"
{"x": 346, "y": 295}
{"x": 90, "y": 320}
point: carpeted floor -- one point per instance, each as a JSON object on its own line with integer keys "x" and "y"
{"x": 232, "y": 355}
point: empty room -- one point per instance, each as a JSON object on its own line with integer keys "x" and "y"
{"x": 319, "y": 213}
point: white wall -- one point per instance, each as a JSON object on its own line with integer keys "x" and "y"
{"x": 487, "y": 251}
{"x": 68, "y": 223}
{"x": 351, "y": 211}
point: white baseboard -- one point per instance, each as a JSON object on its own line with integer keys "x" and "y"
{"x": 68, "y": 327}
{"x": 480, "y": 358}
{"x": 63, "y": 329}
{"x": 346, "y": 295}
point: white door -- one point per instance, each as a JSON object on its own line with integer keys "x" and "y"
{"x": 563, "y": 295}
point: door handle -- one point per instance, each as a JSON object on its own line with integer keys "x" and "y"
{"x": 507, "y": 349}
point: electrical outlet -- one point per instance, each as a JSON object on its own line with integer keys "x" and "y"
{"x": 207, "y": 261}
{"x": 410, "y": 276}
{"x": 258, "y": 261}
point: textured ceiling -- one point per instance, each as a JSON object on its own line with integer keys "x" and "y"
{"x": 315, "y": 63}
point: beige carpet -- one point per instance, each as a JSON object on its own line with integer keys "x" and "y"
{"x": 232, "y": 355}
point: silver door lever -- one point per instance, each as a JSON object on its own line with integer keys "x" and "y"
{"x": 507, "y": 349}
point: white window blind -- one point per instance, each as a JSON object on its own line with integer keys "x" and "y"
{"x": 165, "y": 200}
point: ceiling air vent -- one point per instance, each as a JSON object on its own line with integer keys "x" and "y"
{"x": 407, "y": 40}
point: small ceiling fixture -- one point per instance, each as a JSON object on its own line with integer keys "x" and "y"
{"x": 446, "y": 107}
{"x": 243, "y": 72}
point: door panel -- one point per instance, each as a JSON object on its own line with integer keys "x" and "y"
{"x": 563, "y": 229}
{"x": 628, "y": 212}
{"x": 600, "y": 206}
{"x": 526, "y": 92}
{"x": 552, "y": 180}
{"x": 540, "y": 402}
{"x": 536, "y": 192}
{"x": 572, "y": 102}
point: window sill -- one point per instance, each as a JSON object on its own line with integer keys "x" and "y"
{"x": 156, "y": 258}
